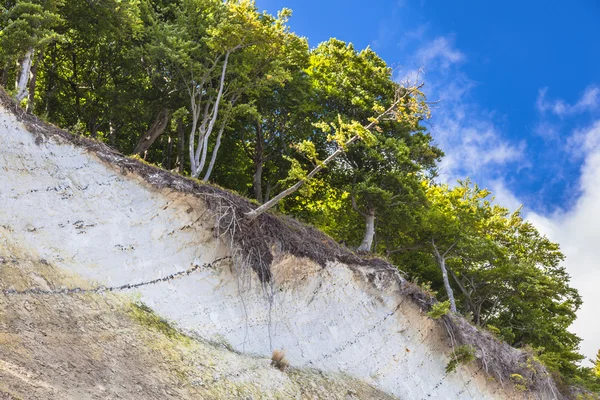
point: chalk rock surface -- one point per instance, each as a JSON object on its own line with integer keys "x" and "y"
{"x": 70, "y": 218}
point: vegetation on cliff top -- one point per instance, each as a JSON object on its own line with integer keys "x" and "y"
{"x": 220, "y": 91}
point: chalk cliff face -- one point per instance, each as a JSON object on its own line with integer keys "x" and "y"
{"x": 76, "y": 216}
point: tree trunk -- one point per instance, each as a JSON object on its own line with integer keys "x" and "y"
{"x": 442, "y": 263}
{"x": 51, "y": 81}
{"x": 367, "y": 241}
{"x": 24, "y": 75}
{"x": 202, "y": 149}
{"x": 157, "y": 128}
{"x": 213, "y": 158}
{"x": 93, "y": 127}
{"x": 33, "y": 81}
{"x": 169, "y": 152}
{"x": 268, "y": 191}
{"x": 180, "y": 145}
{"x": 257, "y": 181}
{"x": 258, "y": 164}
{"x": 470, "y": 306}
{"x": 5, "y": 72}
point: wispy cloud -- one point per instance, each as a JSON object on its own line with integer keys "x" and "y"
{"x": 474, "y": 147}
{"x": 589, "y": 101}
{"x": 547, "y": 130}
{"x": 440, "y": 52}
{"x": 584, "y": 141}
{"x": 414, "y": 35}
{"x": 469, "y": 135}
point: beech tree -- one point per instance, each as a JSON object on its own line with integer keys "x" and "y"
{"x": 450, "y": 226}
{"x": 500, "y": 271}
{"x": 27, "y": 27}
{"x": 353, "y": 87}
{"x": 267, "y": 130}
{"x": 343, "y": 135}
{"x": 222, "y": 52}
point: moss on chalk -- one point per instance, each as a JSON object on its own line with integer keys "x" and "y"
{"x": 146, "y": 317}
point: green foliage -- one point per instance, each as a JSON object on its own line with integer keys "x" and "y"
{"x": 28, "y": 24}
{"x": 519, "y": 381}
{"x": 439, "y": 309}
{"x": 461, "y": 355}
{"x": 493, "y": 329}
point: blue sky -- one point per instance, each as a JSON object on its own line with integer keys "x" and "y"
{"x": 519, "y": 84}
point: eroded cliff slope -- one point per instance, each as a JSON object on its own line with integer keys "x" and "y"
{"x": 76, "y": 215}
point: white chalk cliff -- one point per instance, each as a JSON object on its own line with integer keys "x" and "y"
{"x": 74, "y": 214}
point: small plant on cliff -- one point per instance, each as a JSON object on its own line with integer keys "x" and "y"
{"x": 519, "y": 381}
{"x": 461, "y": 355}
{"x": 279, "y": 361}
{"x": 438, "y": 310}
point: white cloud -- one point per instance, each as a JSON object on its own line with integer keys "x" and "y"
{"x": 415, "y": 35}
{"x": 472, "y": 141}
{"x": 472, "y": 145}
{"x": 578, "y": 232}
{"x": 584, "y": 141}
{"x": 546, "y": 130}
{"x": 440, "y": 52}
{"x": 589, "y": 101}
{"x": 503, "y": 195}
{"x": 468, "y": 134}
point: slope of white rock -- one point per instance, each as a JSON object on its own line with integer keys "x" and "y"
{"x": 110, "y": 227}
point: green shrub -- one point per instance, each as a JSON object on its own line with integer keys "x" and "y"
{"x": 438, "y": 310}
{"x": 462, "y": 355}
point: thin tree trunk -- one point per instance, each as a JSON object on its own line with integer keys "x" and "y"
{"x": 24, "y": 75}
{"x": 257, "y": 180}
{"x": 180, "y": 145}
{"x": 33, "y": 81}
{"x": 203, "y": 141}
{"x": 157, "y": 129}
{"x": 469, "y": 303}
{"x": 169, "y": 152}
{"x": 442, "y": 262}
{"x": 441, "y": 259}
{"x": 268, "y": 191}
{"x": 18, "y": 68}
{"x": 195, "y": 115}
{"x": 5, "y": 72}
{"x": 258, "y": 164}
{"x": 367, "y": 241}
{"x": 51, "y": 81}
{"x": 93, "y": 127}
{"x": 213, "y": 158}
